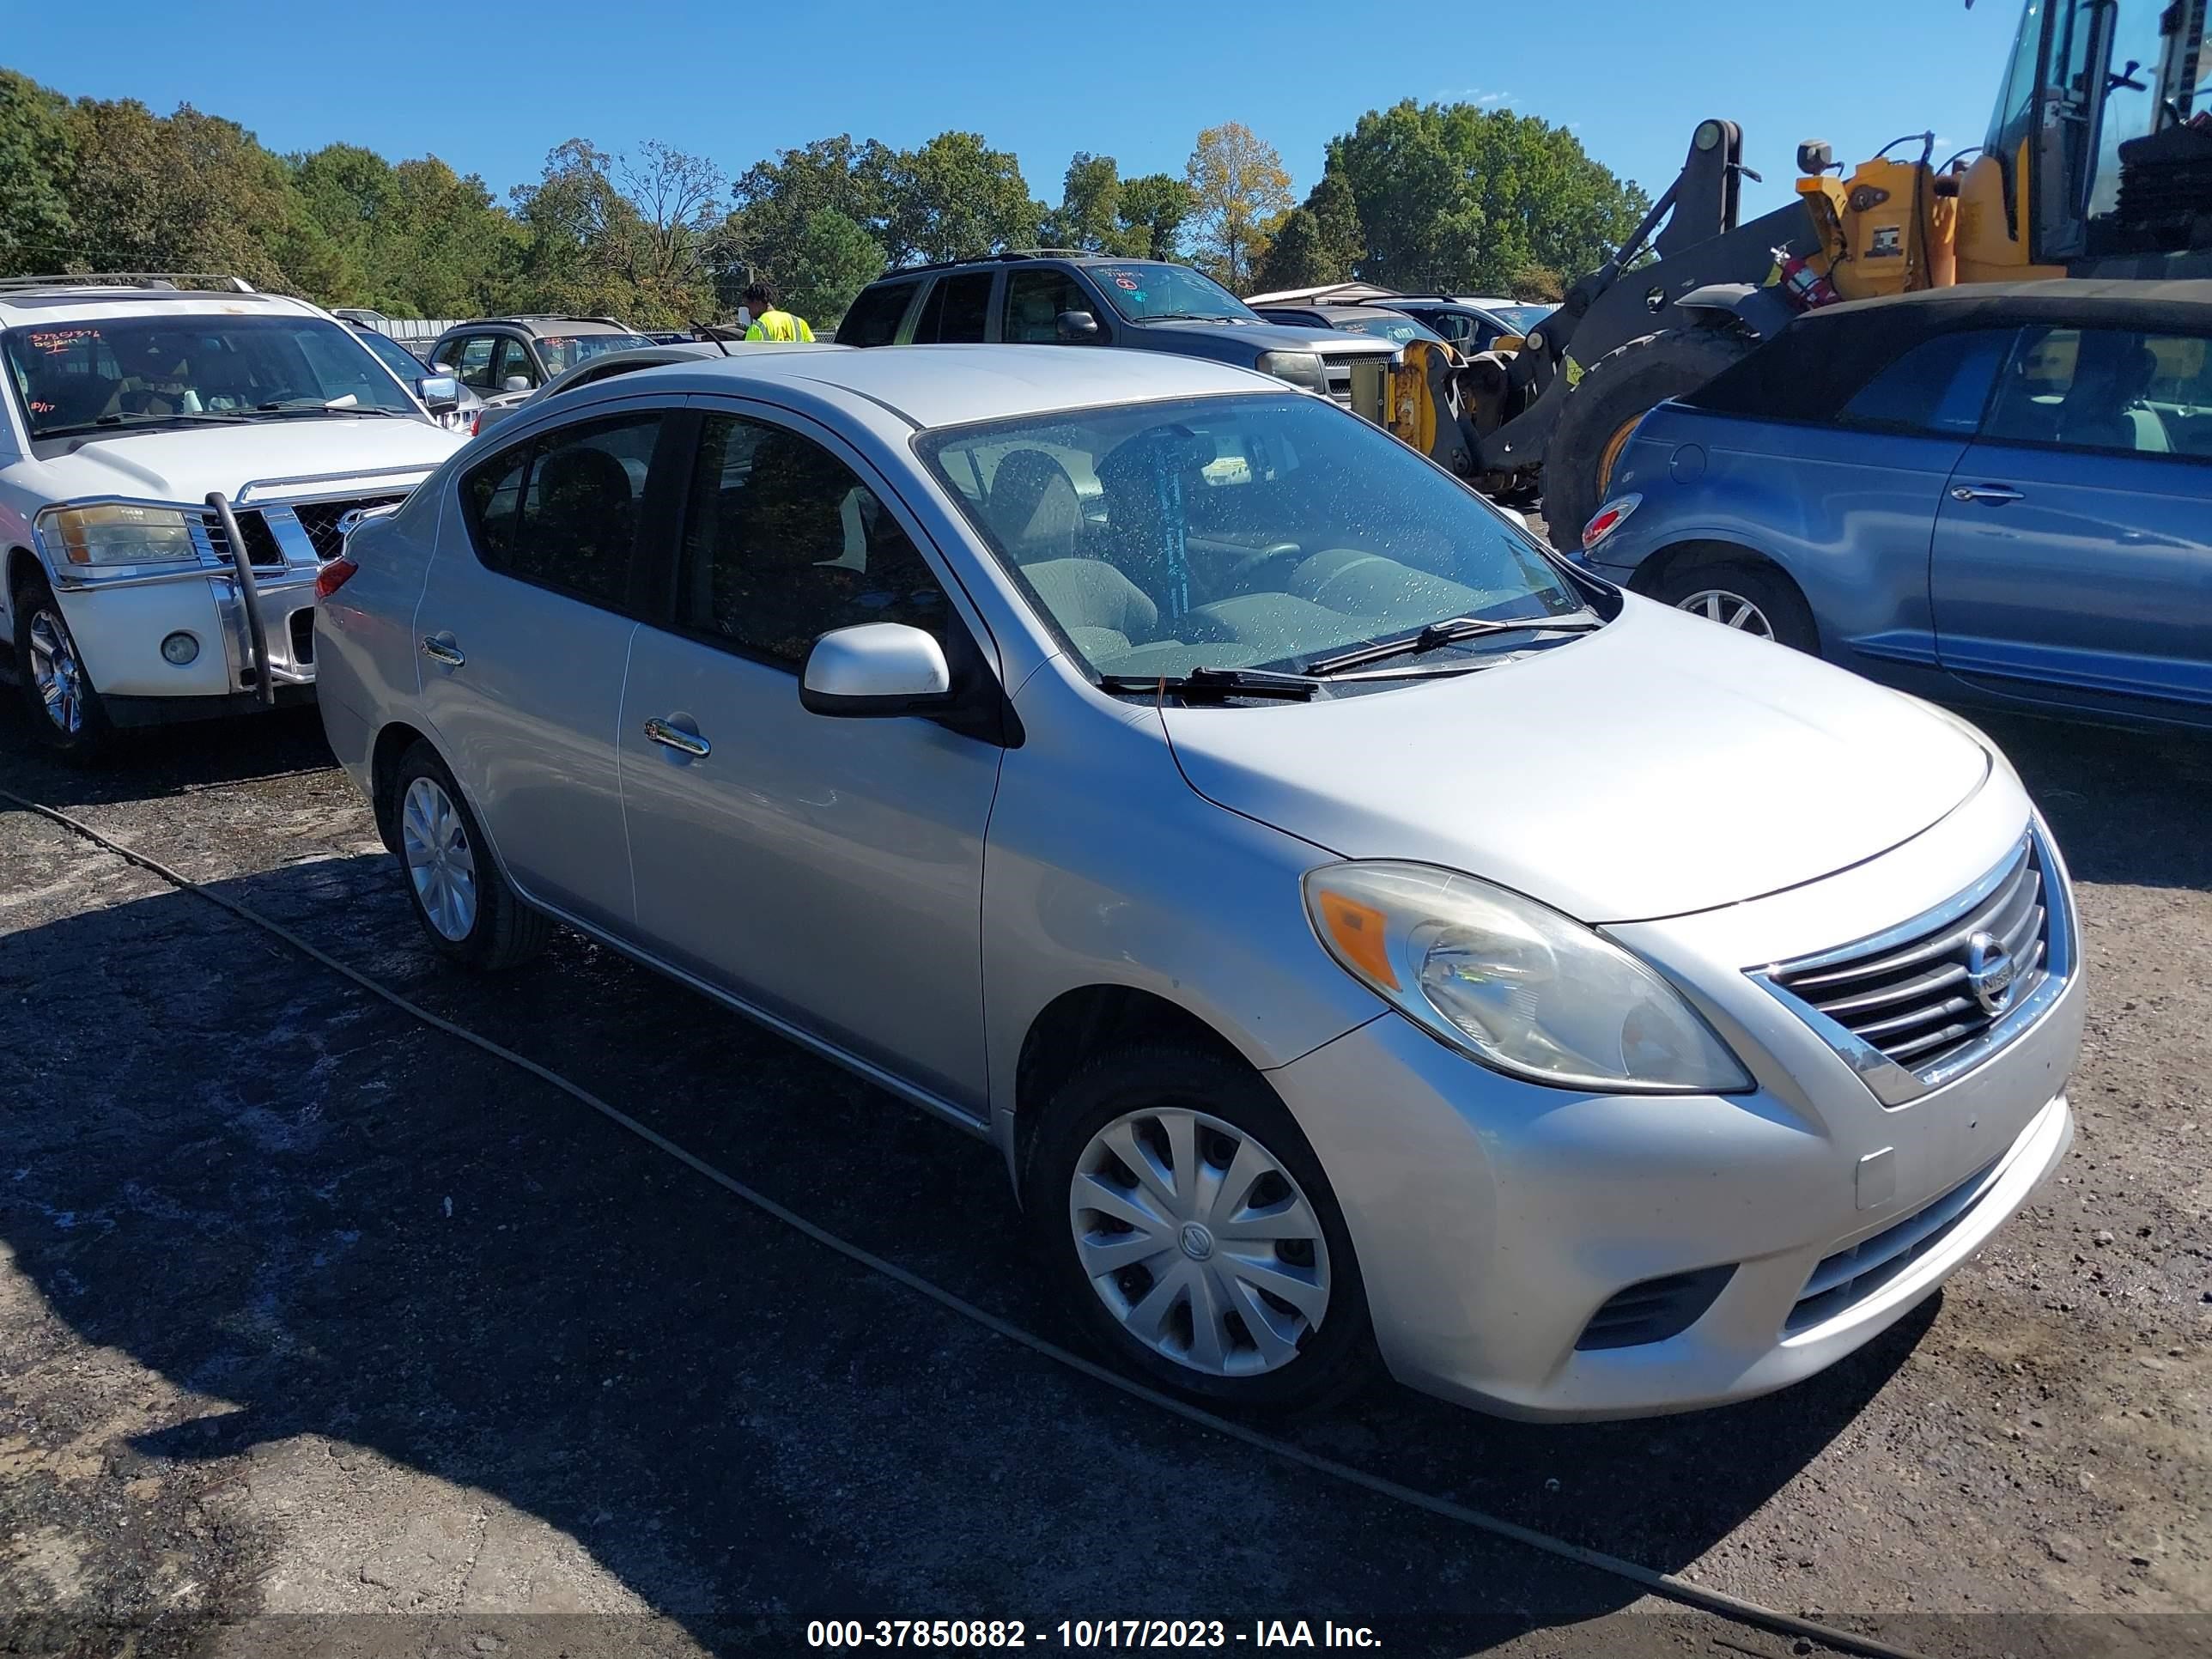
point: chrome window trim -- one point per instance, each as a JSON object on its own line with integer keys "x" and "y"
{"x": 1896, "y": 1086}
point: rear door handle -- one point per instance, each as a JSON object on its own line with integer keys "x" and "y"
{"x": 1988, "y": 494}
{"x": 437, "y": 648}
{"x": 676, "y": 738}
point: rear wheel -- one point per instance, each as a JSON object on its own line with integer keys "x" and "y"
{"x": 1191, "y": 1229}
{"x": 462, "y": 902}
{"x": 66, "y": 710}
{"x": 1616, "y": 392}
{"x": 1752, "y": 598}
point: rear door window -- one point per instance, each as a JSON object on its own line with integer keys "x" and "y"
{"x": 474, "y": 362}
{"x": 1939, "y": 387}
{"x": 874, "y": 317}
{"x": 561, "y": 511}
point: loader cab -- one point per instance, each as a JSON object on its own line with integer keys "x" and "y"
{"x": 2100, "y": 145}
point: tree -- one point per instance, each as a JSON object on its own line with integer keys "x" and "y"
{"x": 776, "y": 200}
{"x": 957, "y": 198}
{"x": 1336, "y": 221}
{"x": 37, "y": 155}
{"x": 830, "y": 261}
{"x": 680, "y": 217}
{"x": 1152, "y": 210}
{"x": 1459, "y": 196}
{"x": 1088, "y": 216}
{"x": 1240, "y": 185}
{"x": 1296, "y": 256}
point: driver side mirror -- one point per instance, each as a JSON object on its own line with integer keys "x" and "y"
{"x": 1076, "y": 328}
{"x": 441, "y": 393}
{"x": 875, "y": 669}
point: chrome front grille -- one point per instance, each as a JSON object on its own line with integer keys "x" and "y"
{"x": 320, "y": 520}
{"x": 1915, "y": 1006}
{"x": 261, "y": 543}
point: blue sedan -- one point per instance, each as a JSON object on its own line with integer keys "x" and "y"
{"x": 1999, "y": 494}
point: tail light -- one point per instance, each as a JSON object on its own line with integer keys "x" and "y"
{"x": 476, "y": 421}
{"x": 333, "y": 576}
{"x": 1609, "y": 518}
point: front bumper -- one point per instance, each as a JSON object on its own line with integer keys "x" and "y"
{"x": 1493, "y": 1219}
{"x": 118, "y": 627}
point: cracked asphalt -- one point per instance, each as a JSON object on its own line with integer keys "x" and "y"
{"x": 322, "y": 1333}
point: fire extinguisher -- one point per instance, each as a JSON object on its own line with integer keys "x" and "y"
{"x": 1804, "y": 287}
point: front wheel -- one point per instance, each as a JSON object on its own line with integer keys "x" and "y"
{"x": 1181, "y": 1211}
{"x": 66, "y": 710}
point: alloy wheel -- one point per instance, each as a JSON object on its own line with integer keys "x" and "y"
{"x": 56, "y": 672}
{"x": 1198, "y": 1241}
{"x": 440, "y": 863}
{"x": 1729, "y": 610}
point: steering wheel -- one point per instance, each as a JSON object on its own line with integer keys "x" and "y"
{"x": 1246, "y": 570}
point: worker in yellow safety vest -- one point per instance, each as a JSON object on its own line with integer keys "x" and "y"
{"x": 768, "y": 322}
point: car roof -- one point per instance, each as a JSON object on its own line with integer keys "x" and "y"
{"x": 2110, "y": 301}
{"x": 539, "y": 328}
{"x": 935, "y": 385}
{"x": 86, "y": 304}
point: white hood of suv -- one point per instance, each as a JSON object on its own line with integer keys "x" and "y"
{"x": 1661, "y": 766}
{"x": 183, "y": 464}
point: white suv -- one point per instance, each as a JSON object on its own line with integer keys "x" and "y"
{"x": 144, "y": 423}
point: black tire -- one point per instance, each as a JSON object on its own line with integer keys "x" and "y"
{"x": 1616, "y": 392}
{"x": 89, "y": 732}
{"x": 1788, "y": 618}
{"x": 1334, "y": 1358}
{"x": 503, "y": 931}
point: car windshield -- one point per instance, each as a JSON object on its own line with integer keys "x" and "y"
{"x": 139, "y": 371}
{"x": 393, "y": 355}
{"x": 1390, "y": 326}
{"x": 562, "y": 352}
{"x": 1235, "y": 533}
{"x": 1143, "y": 289}
{"x": 1522, "y": 318}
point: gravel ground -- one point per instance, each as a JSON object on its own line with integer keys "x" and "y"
{"x": 320, "y": 1332}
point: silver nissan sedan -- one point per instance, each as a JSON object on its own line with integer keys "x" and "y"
{"x": 1367, "y": 938}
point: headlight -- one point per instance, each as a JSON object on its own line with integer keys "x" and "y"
{"x": 1302, "y": 369}
{"x": 122, "y": 535}
{"x": 1512, "y": 984}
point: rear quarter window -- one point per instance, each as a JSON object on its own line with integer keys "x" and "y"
{"x": 874, "y": 317}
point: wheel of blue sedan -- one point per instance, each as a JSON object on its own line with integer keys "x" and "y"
{"x": 1196, "y": 1232}
{"x": 1198, "y": 1242}
{"x": 1745, "y": 593}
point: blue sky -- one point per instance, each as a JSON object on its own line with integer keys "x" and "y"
{"x": 490, "y": 86}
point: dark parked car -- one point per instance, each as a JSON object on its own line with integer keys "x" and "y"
{"x": 1050, "y": 298}
{"x": 2000, "y": 493}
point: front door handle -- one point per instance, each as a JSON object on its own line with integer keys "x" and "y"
{"x": 676, "y": 738}
{"x": 439, "y": 648}
{"x": 1988, "y": 494}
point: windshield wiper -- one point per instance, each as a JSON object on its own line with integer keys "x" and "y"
{"x": 1447, "y": 632}
{"x": 1185, "y": 316}
{"x": 111, "y": 423}
{"x": 1217, "y": 682}
{"x": 309, "y": 406}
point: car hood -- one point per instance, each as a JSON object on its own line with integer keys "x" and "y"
{"x": 183, "y": 464}
{"x": 1282, "y": 336}
{"x": 1661, "y": 766}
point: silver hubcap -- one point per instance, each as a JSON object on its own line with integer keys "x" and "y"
{"x": 1198, "y": 1240}
{"x": 55, "y": 673}
{"x": 439, "y": 860}
{"x": 1729, "y": 610}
